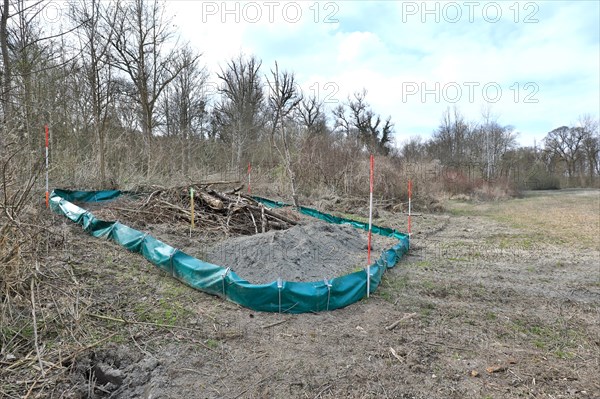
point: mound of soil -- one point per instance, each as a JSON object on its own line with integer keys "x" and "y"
{"x": 307, "y": 252}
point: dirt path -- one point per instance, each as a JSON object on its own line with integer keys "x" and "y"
{"x": 489, "y": 309}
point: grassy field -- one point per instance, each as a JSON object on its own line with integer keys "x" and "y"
{"x": 570, "y": 217}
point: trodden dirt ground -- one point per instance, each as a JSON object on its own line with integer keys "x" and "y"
{"x": 494, "y": 300}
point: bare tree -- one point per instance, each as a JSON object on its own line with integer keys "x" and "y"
{"x": 310, "y": 114}
{"x": 363, "y": 125}
{"x": 31, "y": 66}
{"x": 184, "y": 106}
{"x": 95, "y": 35}
{"x": 591, "y": 144}
{"x": 566, "y": 143}
{"x": 343, "y": 124}
{"x": 413, "y": 150}
{"x": 145, "y": 52}
{"x": 489, "y": 142}
{"x": 238, "y": 114}
{"x": 283, "y": 100}
{"x": 23, "y": 54}
{"x": 449, "y": 142}
{"x": 6, "y": 97}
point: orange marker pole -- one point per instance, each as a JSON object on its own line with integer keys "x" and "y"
{"x": 47, "y": 187}
{"x": 370, "y": 225}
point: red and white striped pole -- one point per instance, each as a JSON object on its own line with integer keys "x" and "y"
{"x": 249, "y": 170}
{"x": 409, "y": 206}
{"x": 47, "y": 191}
{"x": 370, "y": 225}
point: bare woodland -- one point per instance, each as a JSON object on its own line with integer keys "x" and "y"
{"x": 127, "y": 99}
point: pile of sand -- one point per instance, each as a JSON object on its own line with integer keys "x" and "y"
{"x": 307, "y": 252}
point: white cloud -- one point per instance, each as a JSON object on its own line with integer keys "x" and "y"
{"x": 372, "y": 47}
{"x": 358, "y": 47}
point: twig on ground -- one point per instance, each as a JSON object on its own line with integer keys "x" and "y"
{"x": 275, "y": 324}
{"x": 397, "y": 322}
{"x": 322, "y": 390}
{"x": 445, "y": 345}
{"x": 393, "y": 352}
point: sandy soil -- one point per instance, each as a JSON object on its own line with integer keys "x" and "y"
{"x": 311, "y": 251}
{"x": 489, "y": 304}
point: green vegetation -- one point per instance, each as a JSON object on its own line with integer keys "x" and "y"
{"x": 212, "y": 344}
{"x": 422, "y": 263}
{"x": 391, "y": 286}
{"x": 491, "y": 316}
{"x": 166, "y": 311}
{"x": 556, "y": 339}
{"x": 427, "y": 309}
{"x": 525, "y": 241}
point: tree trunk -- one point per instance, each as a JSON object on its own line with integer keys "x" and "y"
{"x": 101, "y": 157}
{"x": 186, "y": 152}
{"x": 147, "y": 132}
{"x": 288, "y": 165}
{"x": 7, "y": 78}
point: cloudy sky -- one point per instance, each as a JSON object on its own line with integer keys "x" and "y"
{"x": 534, "y": 64}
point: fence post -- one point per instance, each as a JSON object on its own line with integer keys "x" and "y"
{"x": 370, "y": 225}
{"x": 409, "y": 206}
{"x": 47, "y": 187}
{"x": 249, "y": 171}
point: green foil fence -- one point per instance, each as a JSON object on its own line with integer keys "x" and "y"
{"x": 278, "y": 296}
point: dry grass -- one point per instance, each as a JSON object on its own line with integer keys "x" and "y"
{"x": 571, "y": 219}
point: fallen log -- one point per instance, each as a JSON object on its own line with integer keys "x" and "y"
{"x": 234, "y": 191}
{"x": 211, "y": 201}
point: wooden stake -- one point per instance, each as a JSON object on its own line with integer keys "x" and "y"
{"x": 47, "y": 188}
{"x": 249, "y": 171}
{"x": 192, "y": 206}
{"x": 409, "y": 206}
{"x": 370, "y": 225}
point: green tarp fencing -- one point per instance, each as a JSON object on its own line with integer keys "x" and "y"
{"x": 88, "y": 196}
{"x": 278, "y": 296}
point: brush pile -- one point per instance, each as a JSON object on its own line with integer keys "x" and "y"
{"x": 229, "y": 212}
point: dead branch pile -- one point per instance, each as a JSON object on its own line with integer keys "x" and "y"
{"x": 229, "y": 212}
